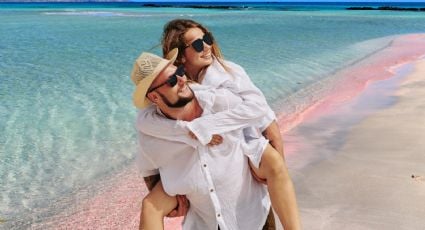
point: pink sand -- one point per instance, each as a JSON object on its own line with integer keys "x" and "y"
{"x": 354, "y": 80}
{"x": 118, "y": 206}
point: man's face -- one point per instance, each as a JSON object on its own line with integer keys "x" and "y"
{"x": 171, "y": 96}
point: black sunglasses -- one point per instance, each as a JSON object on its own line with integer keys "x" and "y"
{"x": 198, "y": 44}
{"x": 172, "y": 80}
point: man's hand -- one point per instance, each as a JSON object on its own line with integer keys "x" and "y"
{"x": 182, "y": 207}
{"x": 215, "y": 140}
{"x": 272, "y": 133}
{"x": 257, "y": 178}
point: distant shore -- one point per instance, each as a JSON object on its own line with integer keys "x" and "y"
{"x": 279, "y": 6}
{"x": 199, "y": 6}
{"x": 392, "y": 8}
{"x": 275, "y": 7}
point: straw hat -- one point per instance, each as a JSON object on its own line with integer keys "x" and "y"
{"x": 146, "y": 68}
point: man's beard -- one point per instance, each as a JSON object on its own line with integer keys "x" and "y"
{"x": 181, "y": 102}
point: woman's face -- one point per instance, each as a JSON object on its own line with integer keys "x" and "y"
{"x": 193, "y": 58}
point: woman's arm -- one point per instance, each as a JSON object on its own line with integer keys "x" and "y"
{"x": 249, "y": 111}
{"x": 229, "y": 112}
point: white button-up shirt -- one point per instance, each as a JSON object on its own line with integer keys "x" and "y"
{"x": 216, "y": 180}
{"x": 252, "y": 113}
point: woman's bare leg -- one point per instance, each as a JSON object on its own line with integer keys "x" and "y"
{"x": 279, "y": 184}
{"x": 156, "y": 205}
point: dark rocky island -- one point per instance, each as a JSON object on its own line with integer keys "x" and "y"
{"x": 392, "y": 8}
{"x": 200, "y": 6}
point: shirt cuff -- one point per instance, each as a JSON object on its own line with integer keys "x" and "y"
{"x": 267, "y": 120}
{"x": 146, "y": 173}
{"x": 203, "y": 137}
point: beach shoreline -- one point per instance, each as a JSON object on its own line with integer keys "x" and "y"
{"x": 376, "y": 180}
{"x": 68, "y": 143}
{"x": 127, "y": 192}
{"x": 348, "y": 83}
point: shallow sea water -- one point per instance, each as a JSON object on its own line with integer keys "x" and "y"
{"x": 66, "y": 115}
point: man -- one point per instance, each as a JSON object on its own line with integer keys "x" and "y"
{"x": 217, "y": 180}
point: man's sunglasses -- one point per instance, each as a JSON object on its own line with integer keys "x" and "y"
{"x": 172, "y": 80}
{"x": 198, "y": 44}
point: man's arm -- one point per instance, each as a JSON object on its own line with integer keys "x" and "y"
{"x": 182, "y": 202}
{"x": 151, "y": 181}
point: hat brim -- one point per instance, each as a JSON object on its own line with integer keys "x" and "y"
{"x": 139, "y": 97}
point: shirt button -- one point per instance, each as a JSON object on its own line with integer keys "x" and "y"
{"x": 218, "y": 215}
{"x": 205, "y": 165}
{"x": 211, "y": 190}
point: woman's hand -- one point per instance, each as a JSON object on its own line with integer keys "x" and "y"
{"x": 215, "y": 140}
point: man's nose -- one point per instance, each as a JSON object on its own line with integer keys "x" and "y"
{"x": 181, "y": 80}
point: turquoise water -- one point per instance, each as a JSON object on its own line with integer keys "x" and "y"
{"x": 66, "y": 115}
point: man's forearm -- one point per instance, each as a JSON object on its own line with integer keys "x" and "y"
{"x": 151, "y": 181}
{"x": 272, "y": 133}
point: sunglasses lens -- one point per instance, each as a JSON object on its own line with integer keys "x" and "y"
{"x": 198, "y": 45}
{"x": 180, "y": 71}
{"x": 208, "y": 39}
{"x": 172, "y": 81}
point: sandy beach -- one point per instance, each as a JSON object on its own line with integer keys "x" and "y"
{"x": 376, "y": 180}
{"x": 356, "y": 158}
{"x": 339, "y": 81}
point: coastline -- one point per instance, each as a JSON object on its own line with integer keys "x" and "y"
{"x": 376, "y": 180}
{"x": 347, "y": 83}
{"x": 126, "y": 190}
{"x": 68, "y": 142}
{"x": 317, "y": 152}
{"x": 234, "y": 5}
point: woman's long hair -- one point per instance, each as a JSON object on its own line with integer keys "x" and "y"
{"x": 173, "y": 37}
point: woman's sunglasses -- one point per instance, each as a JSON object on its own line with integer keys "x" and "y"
{"x": 172, "y": 80}
{"x": 198, "y": 44}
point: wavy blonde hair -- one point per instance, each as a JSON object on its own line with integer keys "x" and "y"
{"x": 173, "y": 37}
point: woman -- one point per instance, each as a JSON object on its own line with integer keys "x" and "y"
{"x": 203, "y": 63}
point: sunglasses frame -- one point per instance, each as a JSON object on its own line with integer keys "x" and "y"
{"x": 207, "y": 38}
{"x": 171, "y": 80}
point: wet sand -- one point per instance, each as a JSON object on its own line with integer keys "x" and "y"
{"x": 376, "y": 180}
{"x": 355, "y": 173}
